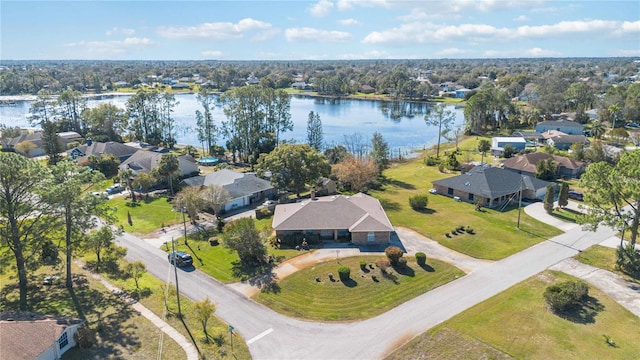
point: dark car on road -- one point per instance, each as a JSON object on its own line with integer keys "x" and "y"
{"x": 180, "y": 258}
{"x": 575, "y": 195}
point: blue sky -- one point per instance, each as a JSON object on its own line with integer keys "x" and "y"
{"x": 317, "y": 30}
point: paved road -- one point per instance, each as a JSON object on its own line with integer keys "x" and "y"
{"x": 274, "y": 336}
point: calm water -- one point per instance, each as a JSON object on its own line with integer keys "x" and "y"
{"x": 401, "y": 124}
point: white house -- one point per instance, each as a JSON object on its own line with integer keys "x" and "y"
{"x": 498, "y": 143}
{"x": 26, "y": 335}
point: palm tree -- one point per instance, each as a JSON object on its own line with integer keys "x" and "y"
{"x": 598, "y": 129}
{"x": 483, "y": 146}
{"x": 614, "y": 110}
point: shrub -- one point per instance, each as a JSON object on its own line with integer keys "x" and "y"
{"x": 263, "y": 213}
{"x": 418, "y": 202}
{"x": 402, "y": 262}
{"x": 421, "y": 258}
{"x": 344, "y": 272}
{"x": 394, "y": 254}
{"x": 383, "y": 265}
{"x": 363, "y": 264}
{"x": 431, "y": 161}
{"x": 85, "y": 337}
{"x": 469, "y": 230}
{"x": 561, "y": 297}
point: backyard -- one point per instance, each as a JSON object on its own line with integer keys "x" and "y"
{"x": 495, "y": 233}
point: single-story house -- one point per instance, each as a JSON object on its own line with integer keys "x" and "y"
{"x": 36, "y": 138}
{"x": 527, "y": 164}
{"x": 460, "y": 93}
{"x": 146, "y": 160}
{"x": 325, "y": 186}
{"x": 359, "y": 218}
{"x": 498, "y": 143}
{"x": 366, "y": 89}
{"x": 243, "y": 188}
{"x": 491, "y": 186}
{"x": 121, "y": 151}
{"x": 564, "y": 142}
{"x": 565, "y": 126}
{"x": 27, "y": 336}
{"x": 532, "y": 137}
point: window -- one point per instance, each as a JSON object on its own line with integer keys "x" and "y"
{"x": 371, "y": 237}
{"x": 450, "y": 191}
{"x": 63, "y": 340}
{"x": 470, "y": 197}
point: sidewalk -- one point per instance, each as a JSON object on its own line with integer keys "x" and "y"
{"x": 625, "y": 293}
{"x": 187, "y": 346}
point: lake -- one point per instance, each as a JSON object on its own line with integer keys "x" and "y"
{"x": 401, "y": 123}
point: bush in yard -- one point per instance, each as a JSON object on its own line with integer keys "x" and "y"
{"x": 431, "y": 161}
{"x": 363, "y": 264}
{"x": 561, "y": 297}
{"x": 344, "y": 272}
{"x": 393, "y": 253}
{"x": 383, "y": 265}
{"x": 418, "y": 202}
{"x": 421, "y": 258}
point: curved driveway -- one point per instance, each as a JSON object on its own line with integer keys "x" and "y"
{"x": 270, "y": 335}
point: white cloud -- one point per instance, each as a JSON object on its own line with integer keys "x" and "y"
{"x": 214, "y": 31}
{"x": 111, "y": 47}
{"x": 116, "y": 30}
{"x": 321, "y": 8}
{"x": 349, "y": 22}
{"x": 538, "y": 52}
{"x": 450, "y": 52}
{"x": 265, "y": 34}
{"x": 211, "y": 54}
{"x": 521, "y": 18}
{"x": 426, "y": 32}
{"x": 310, "y": 34}
{"x": 374, "y": 54}
{"x": 627, "y": 52}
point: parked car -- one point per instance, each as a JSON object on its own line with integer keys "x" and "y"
{"x": 575, "y": 195}
{"x": 114, "y": 189}
{"x": 268, "y": 203}
{"x": 433, "y": 191}
{"x": 180, "y": 258}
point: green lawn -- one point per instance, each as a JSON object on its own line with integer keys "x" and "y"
{"x": 566, "y": 214}
{"x": 152, "y": 296}
{"x": 604, "y": 258}
{"x": 121, "y": 332}
{"x": 496, "y": 235}
{"x": 300, "y": 295}
{"x": 517, "y": 324}
{"x": 146, "y": 215}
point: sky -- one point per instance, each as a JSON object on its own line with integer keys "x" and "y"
{"x": 317, "y": 30}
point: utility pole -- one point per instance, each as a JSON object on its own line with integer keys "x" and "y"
{"x": 175, "y": 271}
{"x": 519, "y": 204}
{"x": 184, "y": 222}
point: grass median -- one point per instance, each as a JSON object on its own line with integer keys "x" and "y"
{"x": 517, "y": 324}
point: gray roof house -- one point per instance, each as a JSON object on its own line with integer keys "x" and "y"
{"x": 359, "y": 218}
{"x": 565, "y": 126}
{"x": 243, "y": 188}
{"x": 491, "y": 186}
{"x": 121, "y": 151}
{"x": 145, "y": 161}
{"x": 564, "y": 142}
{"x": 36, "y": 138}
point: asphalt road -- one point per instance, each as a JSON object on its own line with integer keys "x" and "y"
{"x": 270, "y": 335}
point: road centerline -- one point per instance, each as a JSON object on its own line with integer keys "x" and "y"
{"x": 259, "y": 336}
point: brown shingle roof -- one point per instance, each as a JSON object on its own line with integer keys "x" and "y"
{"x": 528, "y": 162}
{"x": 25, "y": 335}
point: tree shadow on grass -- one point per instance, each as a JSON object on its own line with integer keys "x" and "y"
{"x": 389, "y": 205}
{"x": 400, "y": 184}
{"x": 349, "y": 283}
{"x": 427, "y": 268}
{"x": 583, "y": 313}
{"x": 404, "y": 270}
{"x": 426, "y": 211}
